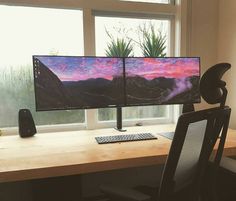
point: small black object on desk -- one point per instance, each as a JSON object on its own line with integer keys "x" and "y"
{"x": 26, "y": 123}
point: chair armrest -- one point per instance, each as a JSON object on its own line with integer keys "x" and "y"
{"x": 124, "y": 194}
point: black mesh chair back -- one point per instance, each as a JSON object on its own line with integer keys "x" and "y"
{"x": 195, "y": 137}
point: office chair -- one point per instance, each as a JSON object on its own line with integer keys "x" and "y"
{"x": 185, "y": 167}
{"x": 213, "y": 90}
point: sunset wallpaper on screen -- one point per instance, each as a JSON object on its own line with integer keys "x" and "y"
{"x": 64, "y": 82}
{"x": 172, "y": 80}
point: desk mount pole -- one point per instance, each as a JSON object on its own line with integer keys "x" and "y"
{"x": 188, "y": 107}
{"x": 119, "y": 120}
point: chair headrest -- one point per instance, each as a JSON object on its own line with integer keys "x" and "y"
{"x": 211, "y": 85}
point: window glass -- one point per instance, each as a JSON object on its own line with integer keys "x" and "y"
{"x": 131, "y": 30}
{"x": 140, "y": 112}
{"x": 27, "y": 31}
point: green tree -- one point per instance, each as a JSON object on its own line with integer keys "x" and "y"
{"x": 119, "y": 47}
{"x": 152, "y": 42}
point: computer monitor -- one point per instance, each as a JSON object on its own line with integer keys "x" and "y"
{"x": 162, "y": 81}
{"x": 72, "y": 82}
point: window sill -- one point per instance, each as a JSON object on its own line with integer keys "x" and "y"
{"x": 45, "y": 129}
{"x": 8, "y": 131}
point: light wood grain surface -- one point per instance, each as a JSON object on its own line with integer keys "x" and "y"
{"x": 77, "y": 152}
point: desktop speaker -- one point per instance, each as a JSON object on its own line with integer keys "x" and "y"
{"x": 26, "y": 123}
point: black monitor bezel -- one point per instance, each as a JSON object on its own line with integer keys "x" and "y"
{"x": 124, "y": 90}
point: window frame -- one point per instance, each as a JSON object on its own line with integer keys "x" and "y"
{"x": 170, "y": 1}
{"x": 176, "y": 12}
{"x": 93, "y": 122}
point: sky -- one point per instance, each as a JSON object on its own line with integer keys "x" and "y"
{"x": 151, "y": 68}
{"x": 27, "y": 31}
{"x": 61, "y": 37}
{"x": 83, "y": 68}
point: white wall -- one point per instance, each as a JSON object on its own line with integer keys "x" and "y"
{"x": 204, "y": 30}
{"x": 227, "y": 50}
{"x": 204, "y": 34}
{"x": 213, "y": 38}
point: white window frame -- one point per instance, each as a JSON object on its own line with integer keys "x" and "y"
{"x": 175, "y": 12}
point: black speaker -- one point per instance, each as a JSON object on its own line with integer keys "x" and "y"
{"x": 26, "y": 123}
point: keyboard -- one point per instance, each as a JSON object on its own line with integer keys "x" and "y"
{"x": 124, "y": 138}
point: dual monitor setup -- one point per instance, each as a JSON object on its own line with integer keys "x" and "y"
{"x": 84, "y": 82}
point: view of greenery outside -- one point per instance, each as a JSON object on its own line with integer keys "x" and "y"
{"x": 152, "y": 42}
{"x": 34, "y": 31}
{"x": 17, "y": 88}
{"x": 133, "y": 37}
{"x": 119, "y": 47}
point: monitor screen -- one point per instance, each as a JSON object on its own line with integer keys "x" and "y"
{"x": 159, "y": 81}
{"x": 67, "y": 82}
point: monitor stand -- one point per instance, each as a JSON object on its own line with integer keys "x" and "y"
{"x": 119, "y": 120}
{"x": 186, "y": 108}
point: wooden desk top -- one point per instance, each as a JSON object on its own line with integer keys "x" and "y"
{"x": 77, "y": 152}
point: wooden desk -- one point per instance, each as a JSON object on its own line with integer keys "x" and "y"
{"x": 77, "y": 152}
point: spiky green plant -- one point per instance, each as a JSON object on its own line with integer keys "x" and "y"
{"x": 153, "y": 43}
{"x": 119, "y": 47}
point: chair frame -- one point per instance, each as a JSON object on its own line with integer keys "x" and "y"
{"x": 213, "y": 117}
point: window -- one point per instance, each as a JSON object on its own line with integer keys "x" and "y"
{"x": 131, "y": 29}
{"x": 80, "y": 30}
{"x": 27, "y": 31}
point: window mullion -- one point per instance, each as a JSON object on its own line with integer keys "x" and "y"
{"x": 89, "y": 32}
{"x": 89, "y": 50}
